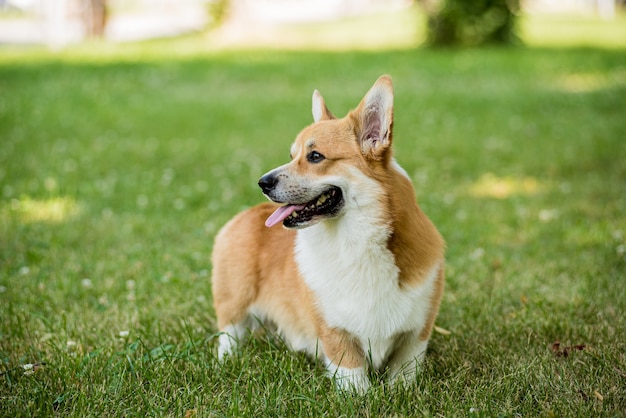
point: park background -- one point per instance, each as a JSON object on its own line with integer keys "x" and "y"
{"x": 122, "y": 155}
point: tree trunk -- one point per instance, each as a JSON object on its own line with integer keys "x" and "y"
{"x": 94, "y": 17}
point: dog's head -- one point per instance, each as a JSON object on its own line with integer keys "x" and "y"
{"x": 333, "y": 160}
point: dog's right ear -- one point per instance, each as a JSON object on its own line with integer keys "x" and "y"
{"x": 320, "y": 111}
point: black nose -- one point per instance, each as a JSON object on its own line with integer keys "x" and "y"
{"x": 267, "y": 183}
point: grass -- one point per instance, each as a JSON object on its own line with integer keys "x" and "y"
{"x": 118, "y": 164}
{"x": 574, "y": 30}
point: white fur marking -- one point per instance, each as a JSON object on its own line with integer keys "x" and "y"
{"x": 347, "y": 264}
{"x": 349, "y": 379}
{"x": 229, "y": 339}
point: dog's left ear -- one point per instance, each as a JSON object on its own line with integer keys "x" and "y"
{"x": 374, "y": 118}
{"x": 320, "y": 111}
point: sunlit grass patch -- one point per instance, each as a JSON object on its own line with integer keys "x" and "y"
{"x": 398, "y": 29}
{"x": 489, "y": 185}
{"x": 590, "y": 82}
{"x": 52, "y": 210}
{"x": 574, "y": 30}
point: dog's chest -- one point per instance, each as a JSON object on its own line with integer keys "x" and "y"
{"x": 355, "y": 279}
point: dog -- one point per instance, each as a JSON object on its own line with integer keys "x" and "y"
{"x": 356, "y": 275}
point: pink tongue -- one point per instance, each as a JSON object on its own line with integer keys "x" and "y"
{"x": 281, "y": 213}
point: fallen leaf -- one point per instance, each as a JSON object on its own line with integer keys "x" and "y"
{"x": 442, "y": 331}
{"x": 564, "y": 352}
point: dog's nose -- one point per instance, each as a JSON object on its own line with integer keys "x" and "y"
{"x": 267, "y": 183}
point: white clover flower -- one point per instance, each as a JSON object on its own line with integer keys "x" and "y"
{"x": 28, "y": 369}
{"x": 87, "y": 284}
{"x": 71, "y": 347}
{"x": 124, "y": 334}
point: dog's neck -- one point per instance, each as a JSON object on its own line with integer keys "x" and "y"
{"x": 385, "y": 221}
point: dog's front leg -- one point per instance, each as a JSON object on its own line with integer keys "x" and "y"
{"x": 345, "y": 360}
{"x": 407, "y": 359}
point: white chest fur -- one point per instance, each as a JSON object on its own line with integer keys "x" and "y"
{"x": 353, "y": 273}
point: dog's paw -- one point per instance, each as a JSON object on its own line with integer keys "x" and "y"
{"x": 350, "y": 380}
{"x": 226, "y": 345}
{"x": 228, "y": 340}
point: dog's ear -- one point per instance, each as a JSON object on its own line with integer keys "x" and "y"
{"x": 374, "y": 118}
{"x": 320, "y": 111}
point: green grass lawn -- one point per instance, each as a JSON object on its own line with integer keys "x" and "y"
{"x": 118, "y": 164}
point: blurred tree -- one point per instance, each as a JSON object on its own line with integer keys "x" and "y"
{"x": 94, "y": 17}
{"x": 218, "y": 11}
{"x": 471, "y": 22}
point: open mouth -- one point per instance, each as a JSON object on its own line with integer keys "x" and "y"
{"x": 326, "y": 204}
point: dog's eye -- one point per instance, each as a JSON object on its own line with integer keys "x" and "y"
{"x": 314, "y": 157}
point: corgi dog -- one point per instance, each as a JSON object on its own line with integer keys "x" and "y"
{"x": 355, "y": 274}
